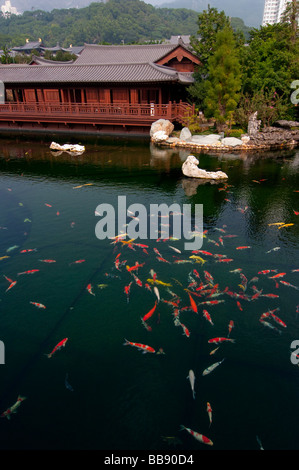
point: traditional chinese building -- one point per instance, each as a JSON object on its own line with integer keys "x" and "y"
{"x": 106, "y": 89}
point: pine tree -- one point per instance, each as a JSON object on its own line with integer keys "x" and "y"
{"x": 223, "y": 84}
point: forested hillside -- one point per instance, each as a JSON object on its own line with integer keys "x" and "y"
{"x": 114, "y": 22}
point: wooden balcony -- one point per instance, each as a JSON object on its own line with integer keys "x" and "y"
{"x": 95, "y": 114}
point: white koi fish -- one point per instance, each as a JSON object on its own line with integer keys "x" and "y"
{"x": 212, "y": 367}
{"x": 191, "y": 378}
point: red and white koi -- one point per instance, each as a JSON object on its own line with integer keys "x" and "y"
{"x": 31, "y": 271}
{"x": 137, "y": 280}
{"x": 207, "y": 316}
{"x": 209, "y": 411}
{"x": 220, "y": 340}
{"x": 127, "y": 290}
{"x": 78, "y": 261}
{"x": 58, "y": 346}
{"x": 278, "y": 320}
{"x": 12, "y": 409}
{"x": 212, "y": 302}
{"x": 89, "y": 289}
{"x": 270, "y": 296}
{"x": 29, "y": 250}
{"x": 242, "y": 247}
{"x": 48, "y": 261}
{"x": 288, "y": 284}
{"x": 13, "y": 283}
{"x": 197, "y": 436}
{"x": 208, "y": 277}
{"x": 267, "y": 271}
{"x": 163, "y": 260}
{"x": 141, "y": 347}
{"x": 37, "y": 304}
{"x": 230, "y": 327}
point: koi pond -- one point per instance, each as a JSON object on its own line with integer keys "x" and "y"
{"x": 111, "y": 341}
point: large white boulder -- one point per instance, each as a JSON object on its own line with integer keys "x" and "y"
{"x": 185, "y": 134}
{"x": 161, "y": 125}
{"x": 210, "y": 139}
{"x": 190, "y": 168}
{"x": 159, "y": 136}
{"x": 231, "y": 141}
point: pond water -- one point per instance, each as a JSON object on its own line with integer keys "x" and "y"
{"x": 96, "y": 393}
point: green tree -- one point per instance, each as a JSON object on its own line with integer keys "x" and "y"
{"x": 224, "y": 80}
{"x": 209, "y": 22}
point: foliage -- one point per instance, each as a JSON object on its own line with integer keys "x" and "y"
{"x": 224, "y": 79}
{"x": 210, "y": 22}
{"x": 269, "y": 106}
{"x": 112, "y": 22}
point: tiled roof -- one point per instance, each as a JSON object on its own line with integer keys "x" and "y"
{"x": 90, "y": 73}
{"x": 133, "y": 54}
{"x": 29, "y": 46}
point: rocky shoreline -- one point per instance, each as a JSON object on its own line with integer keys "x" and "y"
{"x": 282, "y": 135}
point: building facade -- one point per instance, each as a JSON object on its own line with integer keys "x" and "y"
{"x": 106, "y": 89}
{"x": 273, "y": 11}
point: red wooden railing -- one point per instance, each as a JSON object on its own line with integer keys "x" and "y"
{"x": 94, "y": 112}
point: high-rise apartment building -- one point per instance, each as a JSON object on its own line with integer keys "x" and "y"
{"x": 273, "y": 11}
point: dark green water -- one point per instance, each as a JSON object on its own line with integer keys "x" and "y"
{"x": 123, "y": 399}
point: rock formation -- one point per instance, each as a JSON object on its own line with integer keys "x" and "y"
{"x": 190, "y": 168}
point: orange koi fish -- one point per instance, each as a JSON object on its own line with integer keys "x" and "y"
{"x": 197, "y": 436}
{"x": 7, "y": 414}
{"x": 277, "y": 275}
{"x": 207, "y": 316}
{"x": 242, "y": 247}
{"x": 79, "y": 261}
{"x": 141, "y": 347}
{"x": 209, "y": 411}
{"x": 239, "y": 305}
{"x": 38, "y": 304}
{"x": 150, "y": 313}
{"x": 136, "y": 266}
{"x": 58, "y": 346}
{"x": 193, "y": 304}
{"x": 89, "y": 289}
{"x": 207, "y": 253}
{"x": 220, "y": 340}
{"x": 31, "y": 271}
{"x": 49, "y": 205}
